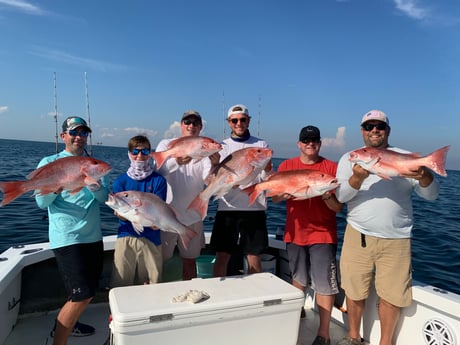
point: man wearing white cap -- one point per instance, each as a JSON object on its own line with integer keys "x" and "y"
{"x": 185, "y": 180}
{"x": 377, "y": 236}
{"x": 237, "y": 223}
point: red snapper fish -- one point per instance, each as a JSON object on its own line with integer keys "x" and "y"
{"x": 237, "y": 169}
{"x": 387, "y": 163}
{"x": 301, "y": 184}
{"x": 68, "y": 173}
{"x": 147, "y": 209}
{"x": 195, "y": 147}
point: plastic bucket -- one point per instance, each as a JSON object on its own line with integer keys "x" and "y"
{"x": 268, "y": 263}
{"x": 204, "y": 266}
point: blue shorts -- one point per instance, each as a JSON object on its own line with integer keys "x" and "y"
{"x": 80, "y": 266}
{"x": 248, "y": 228}
{"x": 316, "y": 261}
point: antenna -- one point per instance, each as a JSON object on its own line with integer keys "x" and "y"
{"x": 55, "y": 112}
{"x": 89, "y": 117}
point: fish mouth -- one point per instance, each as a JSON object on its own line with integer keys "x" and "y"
{"x": 114, "y": 199}
{"x": 111, "y": 199}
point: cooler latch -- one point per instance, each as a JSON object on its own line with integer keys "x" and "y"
{"x": 272, "y": 302}
{"x": 163, "y": 317}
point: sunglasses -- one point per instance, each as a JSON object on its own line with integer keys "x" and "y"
{"x": 144, "y": 152}
{"x": 192, "y": 122}
{"x": 311, "y": 140}
{"x": 242, "y": 120}
{"x": 74, "y": 133}
{"x": 370, "y": 126}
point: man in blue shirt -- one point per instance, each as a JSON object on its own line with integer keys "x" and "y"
{"x": 75, "y": 235}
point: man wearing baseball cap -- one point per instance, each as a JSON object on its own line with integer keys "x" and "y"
{"x": 311, "y": 232}
{"x": 377, "y": 240}
{"x": 75, "y": 235}
{"x": 186, "y": 179}
{"x": 234, "y": 218}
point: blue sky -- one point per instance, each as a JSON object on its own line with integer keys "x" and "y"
{"x": 293, "y": 63}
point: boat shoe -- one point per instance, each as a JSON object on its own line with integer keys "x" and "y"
{"x": 351, "y": 341}
{"x": 319, "y": 340}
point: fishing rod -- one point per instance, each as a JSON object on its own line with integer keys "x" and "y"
{"x": 223, "y": 115}
{"x": 55, "y": 112}
{"x": 258, "y": 120}
{"x": 89, "y": 118}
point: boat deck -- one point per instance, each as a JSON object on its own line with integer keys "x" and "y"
{"x": 35, "y": 328}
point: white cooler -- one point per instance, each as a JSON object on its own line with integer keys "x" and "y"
{"x": 251, "y": 309}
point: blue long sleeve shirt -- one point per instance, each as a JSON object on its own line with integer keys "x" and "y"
{"x": 156, "y": 184}
{"x": 73, "y": 218}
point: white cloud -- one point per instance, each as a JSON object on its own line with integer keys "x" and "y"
{"x": 60, "y": 56}
{"x": 338, "y": 141}
{"x": 3, "y": 108}
{"x": 411, "y": 8}
{"x": 173, "y": 131}
{"x": 23, "y": 6}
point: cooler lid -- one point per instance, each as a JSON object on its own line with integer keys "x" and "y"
{"x": 155, "y": 302}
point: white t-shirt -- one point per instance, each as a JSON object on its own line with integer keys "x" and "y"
{"x": 381, "y": 208}
{"x": 236, "y": 200}
{"x": 185, "y": 182}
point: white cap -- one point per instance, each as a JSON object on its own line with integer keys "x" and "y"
{"x": 238, "y": 109}
{"x": 376, "y": 115}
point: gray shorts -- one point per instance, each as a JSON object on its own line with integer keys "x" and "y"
{"x": 316, "y": 263}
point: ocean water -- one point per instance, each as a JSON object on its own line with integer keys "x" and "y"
{"x": 436, "y": 234}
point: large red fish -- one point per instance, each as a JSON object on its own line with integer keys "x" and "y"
{"x": 300, "y": 184}
{"x": 68, "y": 173}
{"x": 387, "y": 163}
{"x": 148, "y": 210}
{"x": 195, "y": 147}
{"x": 237, "y": 169}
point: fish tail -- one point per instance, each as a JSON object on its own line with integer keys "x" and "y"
{"x": 159, "y": 157}
{"x": 438, "y": 161}
{"x": 187, "y": 236}
{"x": 11, "y": 190}
{"x": 253, "y": 193}
{"x": 200, "y": 205}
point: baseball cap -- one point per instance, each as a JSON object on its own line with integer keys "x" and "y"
{"x": 377, "y": 115}
{"x": 73, "y": 122}
{"x": 237, "y": 109}
{"x": 190, "y": 113}
{"x": 309, "y": 132}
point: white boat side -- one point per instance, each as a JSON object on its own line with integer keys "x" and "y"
{"x": 433, "y": 318}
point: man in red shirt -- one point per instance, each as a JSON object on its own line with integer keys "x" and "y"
{"x": 311, "y": 232}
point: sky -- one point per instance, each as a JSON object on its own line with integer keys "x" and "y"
{"x": 133, "y": 67}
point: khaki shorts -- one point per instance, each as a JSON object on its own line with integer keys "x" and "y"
{"x": 136, "y": 261}
{"x": 389, "y": 260}
{"x": 169, "y": 241}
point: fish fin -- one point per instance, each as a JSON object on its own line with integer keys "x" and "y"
{"x": 89, "y": 181}
{"x": 73, "y": 191}
{"x": 159, "y": 157}
{"x": 438, "y": 161}
{"x": 385, "y": 177}
{"x": 139, "y": 228}
{"x": 199, "y": 205}
{"x": 11, "y": 191}
{"x": 187, "y": 236}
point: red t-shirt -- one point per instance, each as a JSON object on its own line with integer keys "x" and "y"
{"x": 309, "y": 221}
